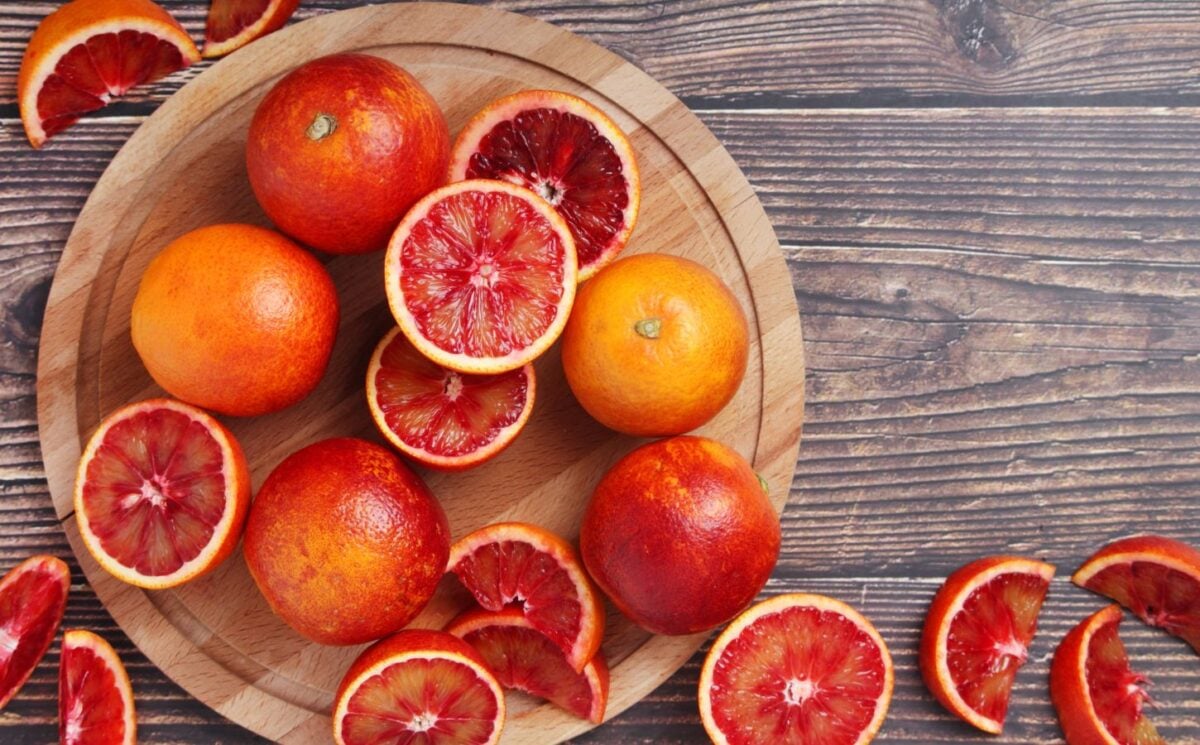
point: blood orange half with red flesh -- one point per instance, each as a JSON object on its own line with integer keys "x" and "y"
{"x": 234, "y": 23}
{"x": 443, "y": 418}
{"x": 481, "y": 275}
{"x": 1156, "y": 578}
{"x": 1099, "y": 699}
{"x": 797, "y": 669}
{"x": 161, "y": 493}
{"x": 33, "y": 596}
{"x": 570, "y": 153}
{"x": 535, "y": 570}
{"x": 418, "y": 687}
{"x": 525, "y": 659}
{"x": 977, "y": 635}
{"x": 90, "y": 51}
{"x": 95, "y": 701}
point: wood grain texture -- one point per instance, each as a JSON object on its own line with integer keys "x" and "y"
{"x": 722, "y": 53}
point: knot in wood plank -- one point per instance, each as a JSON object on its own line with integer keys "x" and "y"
{"x": 979, "y": 31}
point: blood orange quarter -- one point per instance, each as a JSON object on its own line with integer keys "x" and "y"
{"x": 234, "y": 23}
{"x": 33, "y": 596}
{"x": 95, "y": 700}
{"x": 977, "y": 635}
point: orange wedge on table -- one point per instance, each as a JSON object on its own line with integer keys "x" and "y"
{"x": 33, "y": 596}
{"x": 234, "y": 23}
{"x": 95, "y": 700}
{"x": 90, "y": 51}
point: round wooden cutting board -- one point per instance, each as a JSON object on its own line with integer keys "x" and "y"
{"x": 184, "y": 169}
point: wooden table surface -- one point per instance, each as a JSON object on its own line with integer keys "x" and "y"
{"x": 991, "y": 214}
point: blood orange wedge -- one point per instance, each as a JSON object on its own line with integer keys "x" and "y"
{"x": 481, "y": 276}
{"x": 234, "y": 23}
{"x": 95, "y": 701}
{"x": 33, "y": 596}
{"x": 797, "y": 669}
{"x": 419, "y": 688}
{"x": 161, "y": 494}
{"x": 89, "y": 51}
{"x": 1099, "y": 699}
{"x": 531, "y": 568}
{"x": 442, "y": 418}
{"x": 567, "y": 151}
{"x": 524, "y": 658}
{"x": 1156, "y": 578}
{"x": 977, "y": 635}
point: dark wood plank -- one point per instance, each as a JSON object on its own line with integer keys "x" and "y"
{"x": 720, "y": 53}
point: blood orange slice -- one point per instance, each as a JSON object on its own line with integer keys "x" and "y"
{"x": 1156, "y": 578}
{"x": 89, "y": 51}
{"x": 95, "y": 701}
{"x": 234, "y": 23}
{"x": 161, "y": 494}
{"x": 567, "y": 151}
{"x": 420, "y": 688}
{"x": 977, "y": 635}
{"x": 797, "y": 669}
{"x": 33, "y": 596}
{"x": 531, "y": 568}
{"x": 524, "y": 658}
{"x": 1099, "y": 699}
{"x": 442, "y": 418}
{"x": 481, "y": 276}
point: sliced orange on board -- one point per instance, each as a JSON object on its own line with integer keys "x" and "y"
{"x": 567, "y": 151}
{"x": 525, "y": 659}
{"x": 524, "y": 566}
{"x": 481, "y": 275}
{"x": 233, "y": 24}
{"x": 797, "y": 669}
{"x": 33, "y": 596}
{"x": 1099, "y": 699}
{"x": 443, "y": 418}
{"x": 1156, "y": 578}
{"x": 977, "y": 635}
{"x": 95, "y": 700}
{"x": 89, "y": 52}
{"x": 161, "y": 494}
{"x": 419, "y": 687}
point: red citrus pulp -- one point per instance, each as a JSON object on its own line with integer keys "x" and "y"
{"x": 33, "y": 596}
{"x": 234, "y": 23}
{"x": 95, "y": 701}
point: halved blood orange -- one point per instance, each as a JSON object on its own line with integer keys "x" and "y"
{"x": 1156, "y": 578}
{"x": 33, "y": 596}
{"x": 531, "y": 568}
{"x": 95, "y": 700}
{"x": 89, "y": 51}
{"x": 161, "y": 494}
{"x": 797, "y": 669}
{"x": 443, "y": 418}
{"x": 977, "y": 635}
{"x": 1099, "y": 699}
{"x": 569, "y": 152}
{"x": 524, "y": 658}
{"x": 234, "y": 23}
{"x": 481, "y": 276}
{"x": 419, "y": 688}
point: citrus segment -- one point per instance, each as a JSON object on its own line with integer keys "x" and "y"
{"x": 95, "y": 701}
{"x": 797, "y": 669}
{"x": 234, "y": 23}
{"x": 533, "y": 569}
{"x": 90, "y": 51}
{"x": 419, "y": 687}
{"x": 481, "y": 275}
{"x": 567, "y": 151}
{"x": 524, "y": 658}
{"x": 977, "y": 635}
{"x": 33, "y": 596}
{"x": 161, "y": 493}
{"x": 1156, "y": 578}
{"x": 440, "y": 417}
{"x": 1098, "y": 697}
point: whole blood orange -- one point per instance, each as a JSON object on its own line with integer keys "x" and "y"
{"x": 340, "y": 149}
{"x": 345, "y": 542}
{"x": 235, "y": 318}
{"x": 680, "y": 535}
{"x": 656, "y": 345}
